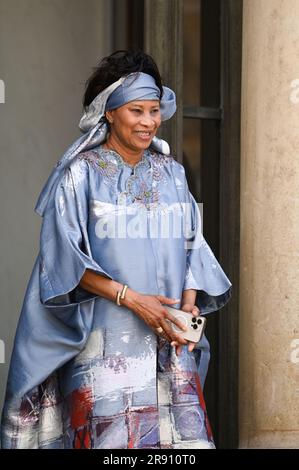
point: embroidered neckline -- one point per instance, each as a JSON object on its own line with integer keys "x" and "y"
{"x": 141, "y": 187}
{"x": 145, "y": 159}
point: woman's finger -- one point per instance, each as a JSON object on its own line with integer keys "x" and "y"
{"x": 162, "y": 334}
{"x": 166, "y": 337}
{"x": 178, "y": 350}
{"x": 191, "y": 346}
{"x": 174, "y": 320}
{"x": 171, "y": 333}
{"x": 195, "y": 311}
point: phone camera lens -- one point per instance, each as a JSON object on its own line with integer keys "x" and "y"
{"x": 193, "y": 320}
{"x": 195, "y": 327}
{"x": 199, "y": 321}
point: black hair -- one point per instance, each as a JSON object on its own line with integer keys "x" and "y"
{"x": 116, "y": 65}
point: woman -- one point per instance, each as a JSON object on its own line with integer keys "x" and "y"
{"x": 96, "y": 362}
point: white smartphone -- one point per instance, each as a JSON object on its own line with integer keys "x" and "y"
{"x": 195, "y": 325}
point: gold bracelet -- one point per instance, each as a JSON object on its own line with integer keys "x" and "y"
{"x": 121, "y": 294}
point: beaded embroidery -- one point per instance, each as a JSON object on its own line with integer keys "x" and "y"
{"x": 141, "y": 186}
{"x": 101, "y": 163}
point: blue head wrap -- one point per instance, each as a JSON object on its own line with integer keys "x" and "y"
{"x": 135, "y": 86}
{"x": 142, "y": 87}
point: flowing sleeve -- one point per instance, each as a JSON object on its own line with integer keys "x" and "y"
{"x": 203, "y": 271}
{"x": 65, "y": 252}
{"x": 57, "y": 315}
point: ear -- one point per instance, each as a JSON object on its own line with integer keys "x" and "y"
{"x": 109, "y": 116}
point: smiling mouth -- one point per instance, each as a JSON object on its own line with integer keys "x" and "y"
{"x": 144, "y": 133}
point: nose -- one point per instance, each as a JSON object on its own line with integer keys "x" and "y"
{"x": 147, "y": 120}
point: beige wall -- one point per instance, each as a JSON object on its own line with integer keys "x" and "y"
{"x": 269, "y": 296}
{"x": 47, "y": 50}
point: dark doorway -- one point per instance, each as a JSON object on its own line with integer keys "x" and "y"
{"x": 212, "y": 39}
{"x": 206, "y": 39}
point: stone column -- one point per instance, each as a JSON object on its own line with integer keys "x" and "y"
{"x": 269, "y": 283}
{"x": 163, "y": 24}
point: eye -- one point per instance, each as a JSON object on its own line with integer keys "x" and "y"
{"x": 136, "y": 110}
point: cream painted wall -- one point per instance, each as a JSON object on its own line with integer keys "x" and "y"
{"x": 47, "y": 51}
{"x": 269, "y": 285}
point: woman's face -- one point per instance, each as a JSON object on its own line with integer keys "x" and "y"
{"x": 135, "y": 124}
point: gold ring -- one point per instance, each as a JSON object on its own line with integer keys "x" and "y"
{"x": 160, "y": 329}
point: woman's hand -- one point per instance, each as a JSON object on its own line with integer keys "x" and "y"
{"x": 187, "y": 307}
{"x": 150, "y": 309}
